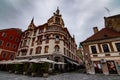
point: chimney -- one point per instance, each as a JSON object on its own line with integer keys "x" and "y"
{"x": 95, "y": 29}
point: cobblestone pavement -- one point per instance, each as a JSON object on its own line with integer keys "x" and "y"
{"x": 64, "y": 76}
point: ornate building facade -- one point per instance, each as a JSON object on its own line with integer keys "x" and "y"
{"x": 51, "y": 40}
{"x": 102, "y": 49}
{"x": 9, "y": 42}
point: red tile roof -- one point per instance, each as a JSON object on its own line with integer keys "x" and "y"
{"x": 105, "y": 33}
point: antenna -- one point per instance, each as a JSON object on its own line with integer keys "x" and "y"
{"x": 107, "y": 10}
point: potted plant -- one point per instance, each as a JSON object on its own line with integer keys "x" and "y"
{"x": 33, "y": 69}
{"x": 18, "y": 68}
{"x": 45, "y": 67}
{"x": 25, "y": 68}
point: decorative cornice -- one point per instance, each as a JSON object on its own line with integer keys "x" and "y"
{"x": 101, "y": 41}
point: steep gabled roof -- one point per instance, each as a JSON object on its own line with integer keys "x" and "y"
{"x": 104, "y": 33}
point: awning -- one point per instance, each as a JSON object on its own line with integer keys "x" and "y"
{"x": 41, "y": 60}
{"x": 24, "y": 60}
{"x": 16, "y": 62}
{"x": 10, "y": 62}
{"x": 72, "y": 62}
{"x": 60, "y": 63}
{"x": 47, "y": 60}
{"x": 35, "y": 61}
{"x": 6, "y": 62}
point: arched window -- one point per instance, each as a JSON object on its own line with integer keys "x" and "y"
{"x": 57, "y": 48}
{"x": 57, "y": 38}
{"x": 47, "y": 38}
{"x": 3, "y": 34}
{"x": 46, "y": 49}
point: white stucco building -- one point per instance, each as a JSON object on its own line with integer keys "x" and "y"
{"x": 51, "y": 40}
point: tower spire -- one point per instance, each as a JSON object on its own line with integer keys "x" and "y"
{"x": 32, "y": 21}
{"x": 57, "y": 11}
{"x": 31, "y": 25}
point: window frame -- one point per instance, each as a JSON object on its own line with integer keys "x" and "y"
{"x": 3, "y": 34}
{"x": 57, "y": 48}
{"x": 38, "y": 50}
{"x": 46, "y": 50}
{"x": 97, "y": 48}
{"x": 107, "y": 46}
{"x": 118, "y": 49}
{"x": 93, "y": 47}
{"x": 4, "y": 55}
{"x": 14, "y": 46}
{"x": 7, "y": 44}
{"x": 11, "y": 37}
{"x": 31, "y": 50}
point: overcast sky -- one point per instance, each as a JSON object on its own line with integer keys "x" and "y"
{"x": 79, "y": 16}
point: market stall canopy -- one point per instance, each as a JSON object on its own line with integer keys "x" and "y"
{"x": 72, "y": 62}
{"x": 10, "y": 62}
{"x": 6, "y": 62}
{"x": 47, "y": 60}
{"x": 60, "y": 63}
{"x": 35, "y": 61}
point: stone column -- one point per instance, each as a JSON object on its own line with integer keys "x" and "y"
{"x": 90, "y": 68}
{"x": 105, "y": 69}
{"x": 63, "y": 65}
{"x": 117, "y": 65}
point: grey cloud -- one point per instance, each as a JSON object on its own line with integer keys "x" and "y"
{"x": 79, "y": 15}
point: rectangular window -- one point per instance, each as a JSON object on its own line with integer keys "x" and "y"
{"x": 105, "y": 48}
{"x": 34, "y": 33}
{"x": 47, "y": 39}
{"x": 33, "y": 40}
{"x": 93, "y": 49}
{"x": 38, "y": 50}
{"x": 39, "y": 40}
{"x": 18, "y": 53}
{"x": 117, "y": 46}
{"x": 24, "y": 52}
{"x": 31, "y": 50}
{"x": 25, "y": 43}
{"x": 46, "y": 49}
{"x": 1, "y": 42}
